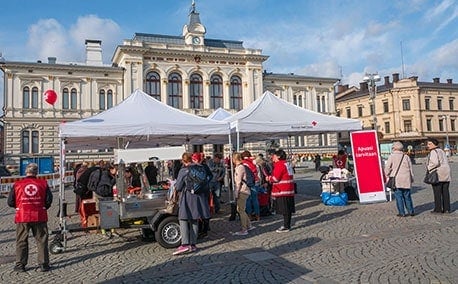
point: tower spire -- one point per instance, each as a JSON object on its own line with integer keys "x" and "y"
{"x": 193, "y": 7}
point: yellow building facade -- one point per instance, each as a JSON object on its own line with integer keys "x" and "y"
{"x": 406, "y": 110}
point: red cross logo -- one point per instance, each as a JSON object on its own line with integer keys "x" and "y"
{"x": 314, "y": 123}
{"x": 31, "y": 190}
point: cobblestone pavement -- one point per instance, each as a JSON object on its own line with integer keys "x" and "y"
{"x": 350, "y": 244}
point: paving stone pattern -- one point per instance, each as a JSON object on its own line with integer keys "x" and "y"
{"x": 357, "y": 243}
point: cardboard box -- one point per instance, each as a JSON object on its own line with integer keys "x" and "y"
{"x": 93, "y": 221}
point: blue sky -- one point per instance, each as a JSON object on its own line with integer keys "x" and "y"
{"x": 326, "y": 38}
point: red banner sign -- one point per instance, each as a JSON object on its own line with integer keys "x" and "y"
{"x": 368, "y": 167}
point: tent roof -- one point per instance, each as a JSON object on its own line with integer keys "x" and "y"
{"x": 270, "y": 117}
{"x": 219, "y": 114}
{"x": 145, "y": 121}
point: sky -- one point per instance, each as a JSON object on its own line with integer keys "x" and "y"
{"x": 318, "y": 38}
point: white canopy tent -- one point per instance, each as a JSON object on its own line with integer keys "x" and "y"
{"x": 219, "y": 114}
{"x": 270, "y": 117}
{"x": 142, "y": 121}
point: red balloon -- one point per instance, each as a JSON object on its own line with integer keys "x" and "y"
{"x": 50, "y": 97}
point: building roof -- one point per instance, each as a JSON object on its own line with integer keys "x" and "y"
{"x": 292, "y": 76}
{"x": 168, "y": 39}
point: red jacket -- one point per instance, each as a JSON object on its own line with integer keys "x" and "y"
{"x": 282, "y": 179}
{"x": 31, "y": 197}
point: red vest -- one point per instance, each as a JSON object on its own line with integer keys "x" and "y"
{"x": 282, "y": 179}
{"x": 30, "y": 200}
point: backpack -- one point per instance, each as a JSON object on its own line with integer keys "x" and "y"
{"x": 81, "y": 184}
{"x": 250, "y": 180}
{"x": 94, "y": 179}
{"x": 197, "y": 179}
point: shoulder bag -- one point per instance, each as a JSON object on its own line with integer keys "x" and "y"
{"x": 431, "y": 176}
{"x": 391, "y": 183}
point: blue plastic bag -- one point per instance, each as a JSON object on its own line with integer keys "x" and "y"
{"x": 334, "y": 199}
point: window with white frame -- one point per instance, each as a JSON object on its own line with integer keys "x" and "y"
{"x": 29, "y": 141}
{"x": 105, "y": 99}
{"x": 29, "y": 98}
{"x": 196, "y": 98}
{"x": 153, "y": 85}
{"x": 175, "y": 91}
{"x": 216, "y": 91}
{"x": 235, "y": 93}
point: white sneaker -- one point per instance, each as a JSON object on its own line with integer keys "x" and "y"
{"x": 241, "y": 233}
{"x": 251, "y": 228}
{"x": 282, "y": 230}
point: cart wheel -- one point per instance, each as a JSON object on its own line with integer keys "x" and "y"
{"x": 56, "y": 247}
{"x": 168, "y": 233}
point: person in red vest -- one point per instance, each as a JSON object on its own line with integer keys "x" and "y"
{"x": 340, "y": 160}
{"x": 32, "y": 198}
{"x": 282, "y": 188}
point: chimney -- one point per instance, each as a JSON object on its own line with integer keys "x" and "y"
{"x": 52, "y": 60}
{"x": 93, "y": 52}
{"x": 340, "y": 89}
{"x": 449, "y": 81}
{"x": 436, "y": 80}
{"x": 363, "y": 86}
{"x": 395, "y": 77}
{"x": 387, "y": 80}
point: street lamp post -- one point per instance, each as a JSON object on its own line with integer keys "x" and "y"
{"x": 447, "y": 143}
{"x": 370, "y": 79}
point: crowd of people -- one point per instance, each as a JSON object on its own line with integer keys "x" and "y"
{"x": 271, "y": 190}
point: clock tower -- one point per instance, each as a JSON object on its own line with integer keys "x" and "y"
{"x": 194, "y": 31}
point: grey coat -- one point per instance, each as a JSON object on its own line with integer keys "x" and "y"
{"x": 190, "y": 206}
{"x": 438, "y": 159}
{"x": 404, "y": 178}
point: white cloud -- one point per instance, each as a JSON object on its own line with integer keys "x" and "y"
{"x": 438, "y": 10}
{"x": 447, "y": 20}
{"x": 48, "y": 38}
{"x": 95, "y": 28}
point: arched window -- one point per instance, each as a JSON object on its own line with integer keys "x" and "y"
{"x": 299, "y": 99}
{"x": 29, "y": 141}
{"x": 105, "y": 99}
{"x": 216, "y": 92}
{"x": 73, "y": 98}
{"x": 174, "y": 91}
{"x": 235, "y": 93}
{"x": 196, "y": 98}
{"x": 102, "y": 99}
{"x": 294, "y": 100}
{"x": 65, "y": 99}
{"x": 153, "y": 85}
{"x": 34, "y": 97}
{"x": 26, "y": 97}
{"x": 109, "y": 99}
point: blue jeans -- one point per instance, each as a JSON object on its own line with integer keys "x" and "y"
{"x": 216, "y": 193}
{"x": 252, "y": 203}
{"x": 403, "y": 198}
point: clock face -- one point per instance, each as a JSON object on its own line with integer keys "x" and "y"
{"x": 196, "y": 40}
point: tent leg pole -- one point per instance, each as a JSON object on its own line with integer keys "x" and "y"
{"x": 62, "y": 218}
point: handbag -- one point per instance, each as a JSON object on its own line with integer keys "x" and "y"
{"x": 431, "y": 176}
{"x": 391, "y": 183}
{"x": 172, "y": 204}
